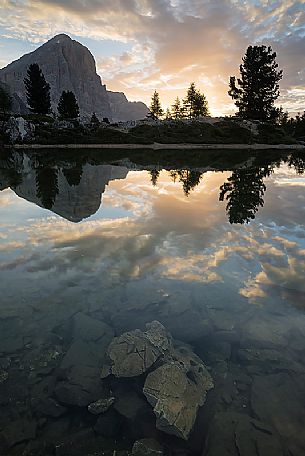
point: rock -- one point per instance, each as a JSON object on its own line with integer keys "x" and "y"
{"x": 11, "y": 335}
{"x": 101, "y": 405}
{"x": 263, "y": 332}
{"x": 276, "y": 399}
{"x": 68, "y": 65}
{"x": 19, "y": 129}
{"x": 3, "y": 376}
{"x": 147, "y": 447}
{"x": 91, "y": 330}
{"x": 237, "y": 434}
{"x": 134, "y": 352}
{"x": 18, "y": 431}
{"x": 176, "y": 390}
{"x": 76, "y": 444}
{"x": 129, "y": 404}
{"x": 269, "y": 360}
{"x": 81, "y": 387}
{"x": 109, "y": 424}
{"x": 50, "y": 407}
{"x": 124, "y": 110}
{"x": 82, "y": 353}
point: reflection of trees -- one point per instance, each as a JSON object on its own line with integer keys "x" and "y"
{"x": 244, "y": 193}
{"x": 73, "y": 175}
{"x": 47, "y": 186}
{"x": 189, "y": 179}
{"x": 154, "y": 176}
{"x": 297, "y": 161}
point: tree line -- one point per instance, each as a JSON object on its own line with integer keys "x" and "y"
{"x": 192, "y": 106}
{"x": 254, "y": 93}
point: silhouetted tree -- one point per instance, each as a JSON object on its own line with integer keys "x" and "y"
{"x": 46, "y": 186}
{"x": 154, "y": 176}
{"x": 244, "y": 193}
{"x": 257, "y": 88}
{"x": 189, "y": 179}
{"x": 94, "y": 121}
{"x": 37, "y": 90}
{"x": 168, "y": 115}
{"x": 176, "y": 109}
{"x": 73, "y": 175}
{"x": 155, "y": 109}
{"x": 67, "y": 106}
{"x": 5, "y": 101}
{"x": 195, "y": 103}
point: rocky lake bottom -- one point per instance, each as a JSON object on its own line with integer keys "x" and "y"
{"x": 152, "y": 307}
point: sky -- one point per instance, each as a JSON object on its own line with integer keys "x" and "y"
{"x": 164, "y": 45}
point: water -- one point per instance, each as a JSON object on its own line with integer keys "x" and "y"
{"x": 210, "y": 246}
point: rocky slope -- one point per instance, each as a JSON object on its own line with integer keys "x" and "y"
{"x": 68, "y": 65}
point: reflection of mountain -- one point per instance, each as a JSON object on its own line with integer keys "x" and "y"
{"x": 73, "y": 202}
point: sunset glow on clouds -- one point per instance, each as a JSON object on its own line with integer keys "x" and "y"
{"x": 142, "y": 45}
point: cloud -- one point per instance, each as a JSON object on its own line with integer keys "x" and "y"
{"x": 173, "y": 42}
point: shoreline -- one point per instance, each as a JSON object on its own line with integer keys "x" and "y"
{"x": 158, "y": 146}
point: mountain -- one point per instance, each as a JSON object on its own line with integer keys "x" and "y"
{"x": 71, "y": 190}
{"x": 68, "y": 65}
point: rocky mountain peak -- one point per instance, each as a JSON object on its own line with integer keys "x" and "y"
{"x": 69, "y": 65}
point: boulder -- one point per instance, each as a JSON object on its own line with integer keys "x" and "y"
{"x": 176, "y": 390}
{"x": 101, "y": 405}
{"x": 134, "y": 352}
{"x": 18, "y": 129}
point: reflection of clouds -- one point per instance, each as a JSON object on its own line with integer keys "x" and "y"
{"x": 164, "y": 236}
{"x": 280, "y": 275}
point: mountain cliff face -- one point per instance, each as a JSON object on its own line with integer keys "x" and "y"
{"x": 68, "y": 65}
{"x": 72, "y": 202}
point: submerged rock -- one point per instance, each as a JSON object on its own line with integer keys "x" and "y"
{"x": 101, "y": 405}
{"x": 147, "y": 447}
{"x": 237, "y": 434}
{"x": 134, "y": 352}
{"x": 18, "y": 431}
{"x": 177, "y": 380}
{"x": 176, "y": 390}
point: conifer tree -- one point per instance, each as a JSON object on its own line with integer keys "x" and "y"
{"x": 156, "y": 110}
{"x": 195, "y": 103}
{"x": 5, "y": 101}
{"x": 176, "y": 109}
{"x": 168, "y": 115}
{"x": 37, "y": 90}
{"x": 68, "y": 106}
{"x": 257, "y": 88}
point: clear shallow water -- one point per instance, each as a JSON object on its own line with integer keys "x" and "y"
{"x": 136, "y": 240}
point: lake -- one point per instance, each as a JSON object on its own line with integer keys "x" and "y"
{"x": 209, "y": 244}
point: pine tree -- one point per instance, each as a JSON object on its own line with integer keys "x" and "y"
{"x": 200, "y": 106}
{"x": 156, "y": 110}
{"x": 37, "y": 90}
{"x": 195, "y": 103}
{"x": 5, "y": 101}
{"x": 168, "y": 115}
{"x": 176, "y": 109}
{"x": 257, "y": 88}
{"x": 94, "y": 121}
{"x": 67, "y": 106}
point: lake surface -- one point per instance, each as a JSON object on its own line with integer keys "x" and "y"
{"x": 211, "y": 246}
